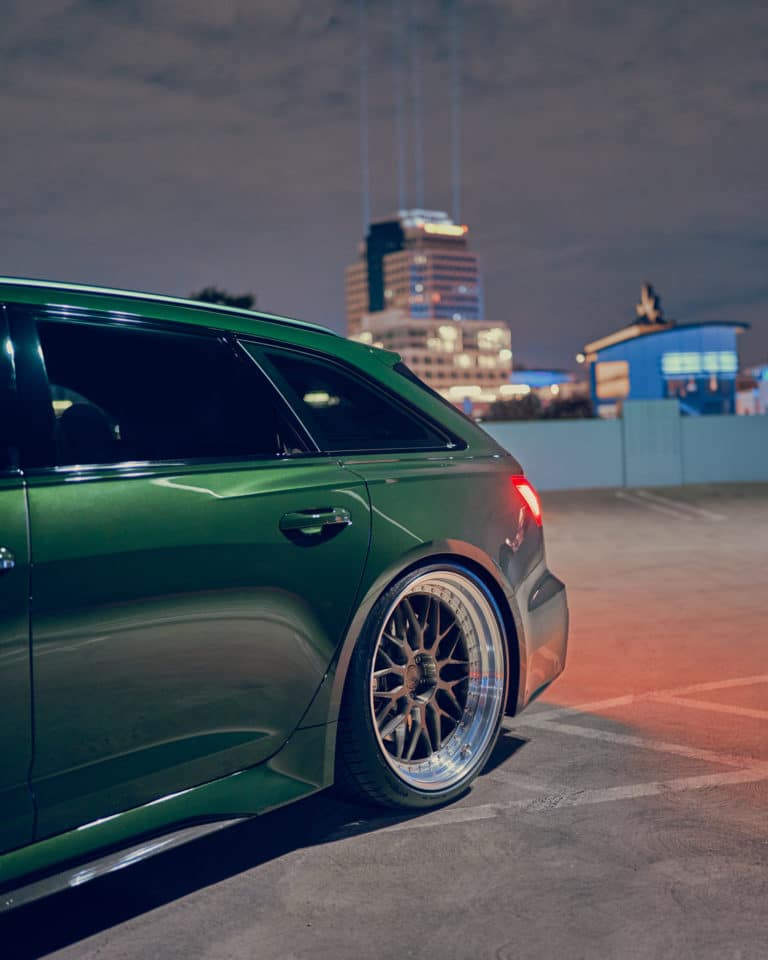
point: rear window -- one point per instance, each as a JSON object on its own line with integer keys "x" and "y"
{"x": 345, "y": 411}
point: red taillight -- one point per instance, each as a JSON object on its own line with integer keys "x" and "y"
{"x": 530, "y": 497}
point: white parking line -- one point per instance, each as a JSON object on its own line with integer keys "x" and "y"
{"x": 666, "y": 505}
{"x": 626, "y": 739}
{"x": 720, "y": 684}
{"x": 648, "y": 695}
{"x": 680, "y": 506}
{"x": 657, "y": 507}
{"x": 748, "y": 771}
{"x": 580, "y": 798}
{"x": 732, "y": 709}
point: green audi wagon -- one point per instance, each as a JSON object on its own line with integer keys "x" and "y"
{"x": 241, "y": 559}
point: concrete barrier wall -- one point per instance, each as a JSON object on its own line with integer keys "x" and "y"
{"x": 724, "y": 449}
{"x": 565, "y": 454}
{"x": 651, "y": 435}
{"x": 652, "y": 445}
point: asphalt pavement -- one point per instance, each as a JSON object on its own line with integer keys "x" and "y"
{"x": 624, "y": 815}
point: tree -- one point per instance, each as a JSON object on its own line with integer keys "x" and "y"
{"x": 245, "y": 301}
{"x": 530, "y": 407}
{"x": 515, "y": 408}
{"x": 574, "y": 408}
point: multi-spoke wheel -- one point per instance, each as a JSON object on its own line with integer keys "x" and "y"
{"x": 425, "y": 691}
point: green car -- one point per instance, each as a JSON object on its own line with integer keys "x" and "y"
{"x": 241, "y": 559}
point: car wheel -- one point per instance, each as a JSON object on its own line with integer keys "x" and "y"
{"x": 425, "y": 692}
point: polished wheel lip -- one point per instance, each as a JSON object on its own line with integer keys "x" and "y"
{"x": 479, "y": 664}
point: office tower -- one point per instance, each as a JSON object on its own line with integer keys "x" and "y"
{"x": 416, "y": 289}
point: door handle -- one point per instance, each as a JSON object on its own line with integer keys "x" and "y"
{"x": 7, "y": 560}
{"x": 315, "y": 523}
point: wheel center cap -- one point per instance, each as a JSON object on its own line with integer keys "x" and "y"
{"x": 421, "y": 677}
{"x": 412, "y": 677}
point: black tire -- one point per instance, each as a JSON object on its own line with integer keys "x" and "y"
{"x": 417, "y": 733}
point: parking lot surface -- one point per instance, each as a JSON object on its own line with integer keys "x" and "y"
{"x": 624, "y": 815}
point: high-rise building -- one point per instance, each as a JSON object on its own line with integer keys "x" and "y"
{"x": 418, "y": 262}
{"x": 416, "y": 289}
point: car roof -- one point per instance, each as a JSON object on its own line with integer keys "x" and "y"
{"x": 51, "y": 293}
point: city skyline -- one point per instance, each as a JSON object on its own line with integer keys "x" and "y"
{"x": 171, "y": 146}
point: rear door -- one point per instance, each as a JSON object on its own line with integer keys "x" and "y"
{"x": 196, "y": 562}
{"x": 16, "y": 810}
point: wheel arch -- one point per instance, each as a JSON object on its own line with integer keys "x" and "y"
{"x": 327, "y": 703}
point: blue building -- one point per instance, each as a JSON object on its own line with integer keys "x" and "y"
{"x": 655, "y": 358}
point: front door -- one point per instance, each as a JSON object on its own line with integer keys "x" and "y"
{"x": 16, "y": 811}
{"x": 185, "y": 608}
{"x": 15, "y": 711}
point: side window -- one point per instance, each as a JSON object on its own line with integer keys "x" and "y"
{"x": 122, "y": 394}
{"x": 346, "y": 412}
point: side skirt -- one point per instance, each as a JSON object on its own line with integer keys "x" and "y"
{"x": 302, "y": 767}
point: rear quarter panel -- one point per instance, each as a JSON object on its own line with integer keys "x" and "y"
{"x": 435, "y": 505}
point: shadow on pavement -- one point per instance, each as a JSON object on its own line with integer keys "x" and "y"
{"x": 73, "y": 915}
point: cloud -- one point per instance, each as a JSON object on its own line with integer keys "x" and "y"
{"x": 171, "y": 144}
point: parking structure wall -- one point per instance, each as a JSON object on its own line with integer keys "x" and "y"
{"x": 651, "y": 445}
{"x": 565, "y": 454}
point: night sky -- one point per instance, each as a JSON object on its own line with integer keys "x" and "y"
{"x": 169, "y": 145}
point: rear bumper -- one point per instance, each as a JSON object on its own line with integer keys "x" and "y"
{"x": 543, "y": 612}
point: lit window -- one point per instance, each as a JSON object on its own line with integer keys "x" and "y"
{"x": 514, "y": 390}
{"x": 612, "y": 379}
{"x": 493, "y": 339}
{"x": 699, "y": 364}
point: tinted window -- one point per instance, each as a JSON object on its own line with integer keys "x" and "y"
{"x": 347, "y": 412}
{"x": 121, "y": 394}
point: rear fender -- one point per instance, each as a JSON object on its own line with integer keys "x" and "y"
{"x": 327, "y": 702}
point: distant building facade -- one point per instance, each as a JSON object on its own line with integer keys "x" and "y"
{"x": 752, "y": 391}
{"x": 655, "y": 358}
{"x": 416, "y": 289}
